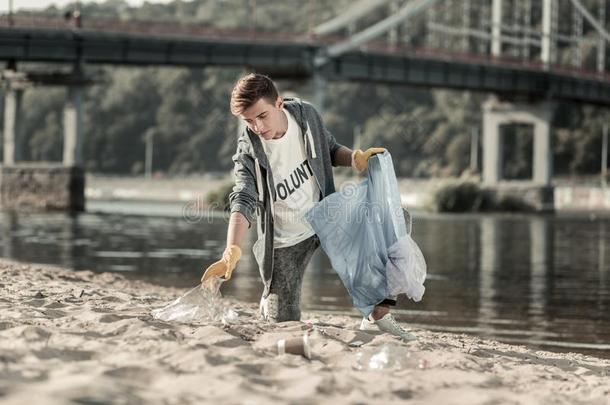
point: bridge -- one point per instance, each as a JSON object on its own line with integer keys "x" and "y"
{"x": 513, "y": 50}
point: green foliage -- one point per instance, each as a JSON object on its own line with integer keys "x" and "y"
{"x": 577, "y": 144}
{"x": 458, "y": 196}
{"x": 465, "y": 195}
{"x": 41, "y": 124}
{"x": 219, "y": 198}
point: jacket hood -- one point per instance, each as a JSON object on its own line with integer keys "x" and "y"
{"x": 295, "y": 107}
{"x": 251, "y": 143}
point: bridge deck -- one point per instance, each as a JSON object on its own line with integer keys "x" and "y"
{"x": 156, "y": 43}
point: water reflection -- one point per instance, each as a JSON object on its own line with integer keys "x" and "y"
{"x": 488, "y": 312}
{"x": 541, "y": 258}
{"x": 516, "y": 260}
{"x": 602, "y": 302}
{"x": 531, "y": 279}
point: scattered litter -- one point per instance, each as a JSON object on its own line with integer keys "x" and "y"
{"x": 200, "y": 304}
{"x": 389, "y": 356}
{"x": 229, "y": 316}
{"x": 298, "y": 346}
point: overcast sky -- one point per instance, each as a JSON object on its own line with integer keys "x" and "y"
{"x": 38, "y": 4}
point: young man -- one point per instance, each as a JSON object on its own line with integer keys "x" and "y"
{"x": 282, "y": 168}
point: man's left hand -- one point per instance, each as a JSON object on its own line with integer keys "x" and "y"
{"x": 360, "y": 159}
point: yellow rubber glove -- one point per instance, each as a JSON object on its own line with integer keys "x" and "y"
{"x": 225, "y": 266}
{"x": 360, "y": 159}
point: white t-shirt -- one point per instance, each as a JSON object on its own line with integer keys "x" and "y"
{"x": 295, "y": 186}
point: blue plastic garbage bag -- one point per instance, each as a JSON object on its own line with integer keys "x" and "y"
{"x": 363, "y": 231}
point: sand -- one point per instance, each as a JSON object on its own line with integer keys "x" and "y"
{"x": 81, "y": 337}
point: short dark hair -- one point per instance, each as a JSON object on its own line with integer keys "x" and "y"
{"x": 249, "y": 89}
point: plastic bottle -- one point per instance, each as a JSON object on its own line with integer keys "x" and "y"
{"x": 389, "y": 356}
{"x": 202, "y": 303}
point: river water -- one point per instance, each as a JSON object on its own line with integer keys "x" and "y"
{"x": 537, "y": 280}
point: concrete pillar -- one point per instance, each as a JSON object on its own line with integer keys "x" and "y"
{"x": 547, "y": 23}
{"x": 492, "y": 145}
{"x": 12, "y": 135}
{"x": 42, "y": 187}
{"x": 496, "y": 114}
{"x": 496, "y": 28}
{"x": 543, "y": 155}
{"x": 474, "y": 150}
{"x": 73, "y": 142}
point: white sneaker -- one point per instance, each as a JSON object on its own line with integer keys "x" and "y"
{"x": 389, "y": 325}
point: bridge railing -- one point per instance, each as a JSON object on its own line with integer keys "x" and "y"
{"x": 382, "y": 47}
{"x": 146, "y": 27}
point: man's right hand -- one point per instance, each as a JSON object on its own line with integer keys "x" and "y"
{"x": 225, "y": 266}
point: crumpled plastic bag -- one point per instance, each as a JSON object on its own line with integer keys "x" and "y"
{"x": 363, "y": 231}
{"x": 406, "y": 269}
{"x": 200, "y": 304}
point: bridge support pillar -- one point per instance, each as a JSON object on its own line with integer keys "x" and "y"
{"x": 73, "y": 142}
{"x": 13, "y": 142}
{"x": 492, "y": 145}
{"x": 496, "y": 114}
{"x": 539, "y": 116}
{"x": 44, "y": 185}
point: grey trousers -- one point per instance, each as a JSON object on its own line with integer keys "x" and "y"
{"x": 284, "y": 300}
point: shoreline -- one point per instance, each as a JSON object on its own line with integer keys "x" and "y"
{"x": 80, "y": 336}
{"x": 193, "y": 212}
{"x": 570, "y": 196}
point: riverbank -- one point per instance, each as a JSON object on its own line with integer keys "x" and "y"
{"x": 89, "y": 338}
{"x": 569, "y": 196}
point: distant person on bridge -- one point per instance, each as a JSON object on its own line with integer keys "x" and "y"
{"x": 73, "y": 18}
{"x": 284, "y": 144}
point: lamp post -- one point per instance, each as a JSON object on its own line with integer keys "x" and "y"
{"x": 605, "y": 156}
{"x": 148, "y": 158}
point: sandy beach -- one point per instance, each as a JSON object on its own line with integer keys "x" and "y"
{"x": 86, "y": 338}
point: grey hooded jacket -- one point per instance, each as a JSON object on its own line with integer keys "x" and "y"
{"x": 254, "y": 190}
